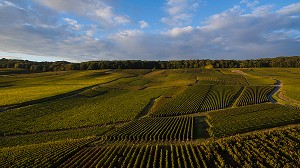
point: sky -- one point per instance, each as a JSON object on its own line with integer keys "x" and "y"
{"x": 85, "y": 30}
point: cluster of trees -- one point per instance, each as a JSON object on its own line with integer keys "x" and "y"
{"x": 293, "y": 61}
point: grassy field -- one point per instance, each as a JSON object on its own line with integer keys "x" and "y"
{"x": 149, "y": 118}
{"x": 18, "y": 88}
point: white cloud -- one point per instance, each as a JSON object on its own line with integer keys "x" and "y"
{"x": 290, "y": 9}
{"x": 262, "y": 10}
{"x": 91, "y": 30}
{"x": 143, "y": 24}
{"x": 7, "y": 3}
{"x": 250, "y": 3}
{"x": 180, "y": 12}
{"x": 95, "y": 10}
{"x": 73, "y": 23}
{"x": 175, "y": 32}
{"x": 126, "y": 34}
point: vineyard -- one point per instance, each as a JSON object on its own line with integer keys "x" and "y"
{"x": 186, "y": 102}
{"x": 197, "y": 99}
{"x": 28, "y": 87}
{"x": 167, "y": 128}
{"x": 254, "y": 95}
{"x": 44, "y": 137}
{"x": 41, "y": 155}
{"x": 78, "y": 111}
{"x": 274, "y": 148}
{"x": 148, "y": 118}
{"x": 249, "y": 118}
{"x": 219, "y": 97}
{"x": 217, "y": 77}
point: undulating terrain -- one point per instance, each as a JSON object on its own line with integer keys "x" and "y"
{"x": 150, "y": 118}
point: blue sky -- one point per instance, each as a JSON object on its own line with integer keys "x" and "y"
{"x": 83, "y": 30}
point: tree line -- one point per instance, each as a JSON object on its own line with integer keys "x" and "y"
{"x": 287, "y": 62}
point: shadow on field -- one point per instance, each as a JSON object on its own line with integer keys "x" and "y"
{"x": 200, "y": 128}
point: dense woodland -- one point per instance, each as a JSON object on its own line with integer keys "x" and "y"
{"x": 292, "y": 61}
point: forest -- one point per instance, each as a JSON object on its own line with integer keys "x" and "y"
{"x": 278, "y": 62}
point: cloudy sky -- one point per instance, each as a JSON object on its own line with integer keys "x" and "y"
{"x": 82, "y": 30}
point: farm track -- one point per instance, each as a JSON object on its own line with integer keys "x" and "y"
{"x": 279, "y": 93}
{"x": 241, "y": 72}
{"x": 278, "y": 86}
{"x": 144, "y": 112}
{"x": 236, "y": 97}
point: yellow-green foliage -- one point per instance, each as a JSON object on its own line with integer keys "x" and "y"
{"x": 217, "y": 77}
{"x": 20, "y": 88}
{"x": 188, "y": 100}
{"x": 93, "y": 92}
{"x": 209, "y": 66}
{"x": 173, "y": 77}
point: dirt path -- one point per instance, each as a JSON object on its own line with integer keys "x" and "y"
{"x": 237, "y": 97}
{"x": 278, "y": 86}
{"x": 240, "y": 72}
{"x": 287, "y": 100}
{"x": 146, "y": 109}
{"x": 278, "y": 91}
